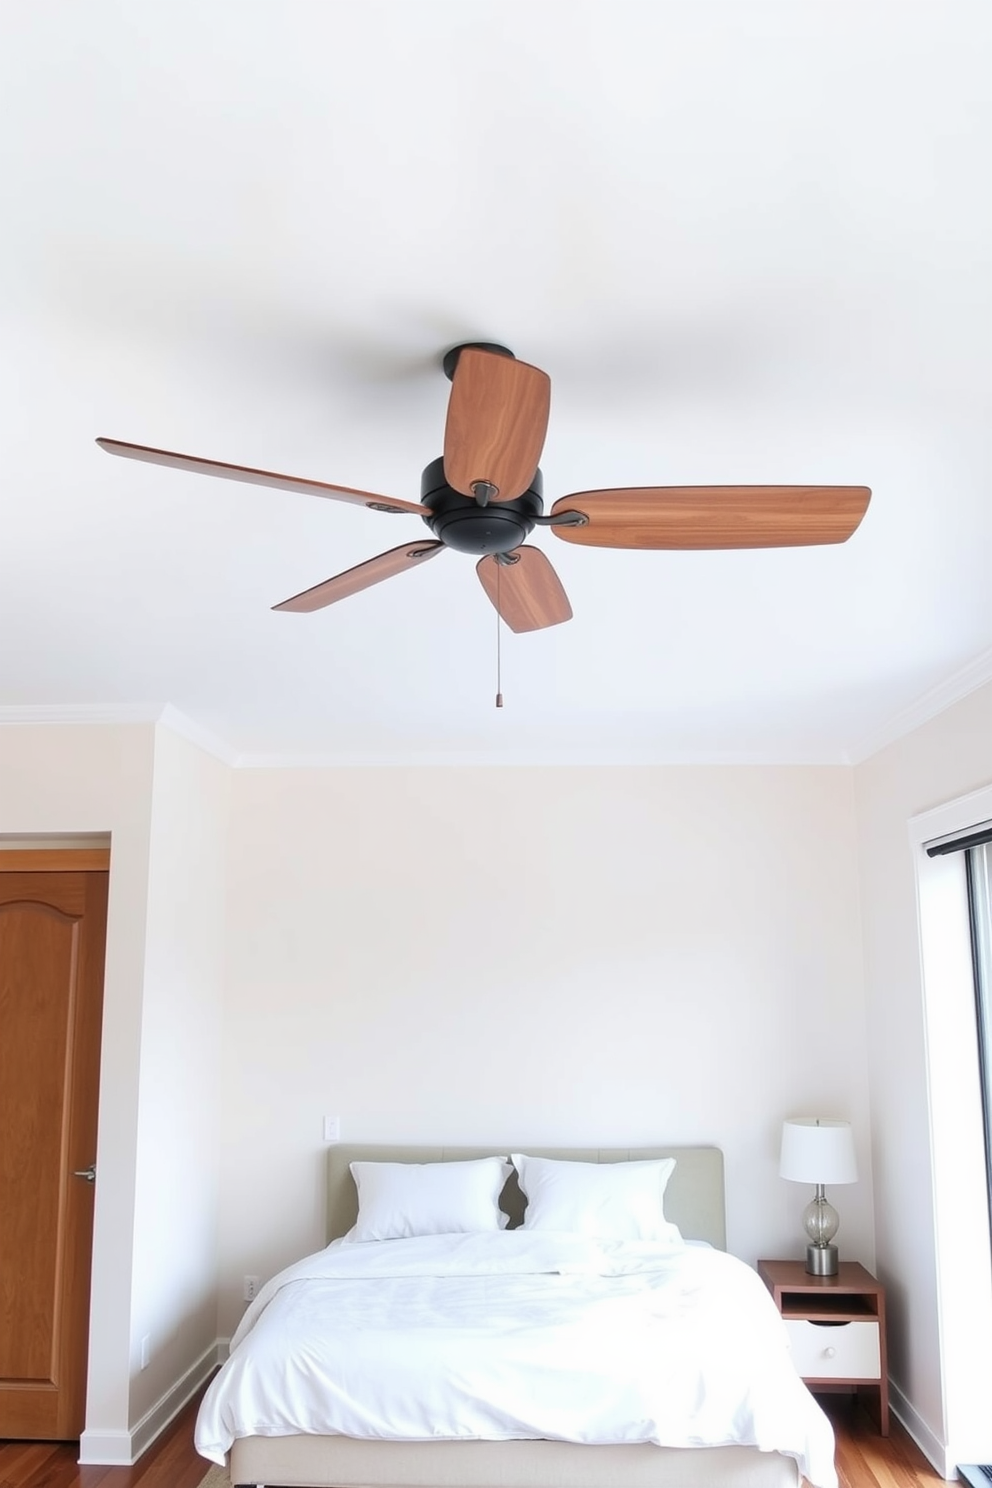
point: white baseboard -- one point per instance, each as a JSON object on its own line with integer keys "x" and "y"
{"x": 932, "y": 1448}
{"x": 123, "y": 1448}
{"x": 105, "y": 1448}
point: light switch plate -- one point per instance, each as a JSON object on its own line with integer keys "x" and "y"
{"x": 332, "y": 1128}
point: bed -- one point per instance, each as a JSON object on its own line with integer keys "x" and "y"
{"x": 267, "y": 1444}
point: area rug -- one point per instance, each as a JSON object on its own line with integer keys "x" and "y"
{"x": 217, "y": 1477}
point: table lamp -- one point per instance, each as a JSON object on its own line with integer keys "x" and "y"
{"x": 818, "y": 1150}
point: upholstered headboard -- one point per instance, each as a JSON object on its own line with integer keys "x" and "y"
{"x": 693, "y": 1199}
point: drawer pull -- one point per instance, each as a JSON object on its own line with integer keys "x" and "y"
{"x": 829, "y": 1353}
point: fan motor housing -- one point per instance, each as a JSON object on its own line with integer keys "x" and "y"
{"x": 461, "y": 523}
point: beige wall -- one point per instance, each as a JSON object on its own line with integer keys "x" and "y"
{"x": 548, "y": 955}
{"x": 947, "y": 758}
{"x": 174, "y": 1287}
{"x": 164, "y": 804}
{"x": 63, "y": 780}
{"x": 545, "y": 955}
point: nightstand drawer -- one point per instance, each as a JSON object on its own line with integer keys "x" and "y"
{"x": 847, "y": 1351}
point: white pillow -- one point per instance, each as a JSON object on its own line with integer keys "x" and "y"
{"x": 399, "y": 1200}
{"x": 611, "y": 1201}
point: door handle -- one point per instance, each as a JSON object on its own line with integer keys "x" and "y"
{"x": 88, "y": 1173}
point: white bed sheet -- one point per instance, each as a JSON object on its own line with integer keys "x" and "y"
{"x": 509, "y": 1335}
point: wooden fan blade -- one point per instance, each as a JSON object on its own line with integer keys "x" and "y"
{"x": 715, "y": 516}
{"x": 385, "y": 566}
{"x": 259, "y": 477}
{"x": 528, "y": 593}
{"x": 497, "y": 419}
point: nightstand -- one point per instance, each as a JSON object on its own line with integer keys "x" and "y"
{"x": 836, "y": 1326}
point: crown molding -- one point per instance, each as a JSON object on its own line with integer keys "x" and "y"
{"x": 534, "y": 759}
{"x": 928, "y": 705}
{"x": 79, "y": 713}
{"x": 945, "y": 694}
{"x": 195, "y": 733}
{"x": 117, "y": 714}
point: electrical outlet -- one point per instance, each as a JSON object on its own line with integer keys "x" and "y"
{"x": 332, "y": 1128}
{"x": 146, "y": 1350}
{"x": 251, "y": 1288}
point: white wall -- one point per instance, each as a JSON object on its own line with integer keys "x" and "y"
{"x": 174, "y": 1287}
{"x": 63, "y": 780}
{"x": 543, "y": 955}
{"x": 556, "y": 955}
{"x": 164, "y": 804}
{"x": 947, "y": 758}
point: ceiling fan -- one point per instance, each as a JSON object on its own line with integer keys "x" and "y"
{"x": 485, "y": 496}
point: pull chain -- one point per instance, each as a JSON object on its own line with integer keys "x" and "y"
{"x": 499, "y": 678}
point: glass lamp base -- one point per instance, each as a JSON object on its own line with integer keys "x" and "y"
{"x": 821, "y": 1260}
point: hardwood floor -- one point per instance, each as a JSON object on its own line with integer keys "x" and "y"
{"x": 170, "y": 1462}
{"x": 864, "y": 1459}
{"x": 867, "y": 1460}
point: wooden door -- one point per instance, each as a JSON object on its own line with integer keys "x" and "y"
{"x": 52, "y": 939}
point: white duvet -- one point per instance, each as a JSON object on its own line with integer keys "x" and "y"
{"x": 510, "y": 1335}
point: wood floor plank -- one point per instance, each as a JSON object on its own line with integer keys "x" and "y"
{"x": 170, "y": 1462}
{"x": 867, "y": 1460}
{"x": 19, "y": 1459}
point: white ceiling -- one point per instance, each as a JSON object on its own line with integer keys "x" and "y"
{"x": 749, "y": 242}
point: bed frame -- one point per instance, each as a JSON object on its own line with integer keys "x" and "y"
{"x": 694, "y": 1200}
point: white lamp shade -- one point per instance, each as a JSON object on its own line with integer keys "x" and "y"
{"x": 816, "y": 1149}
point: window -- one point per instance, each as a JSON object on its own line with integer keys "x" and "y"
{"x": 975, "y": 847}
{"x": 958, "y": 1056}
{"x": 978, "y": 864}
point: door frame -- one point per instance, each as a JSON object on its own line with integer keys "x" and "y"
{"x": 37, "y": 858}
{"x": 54, "y": 859}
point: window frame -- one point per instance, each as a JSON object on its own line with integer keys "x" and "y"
{"x": 978, "y": 873}
{"x": 956, "y": 1123}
